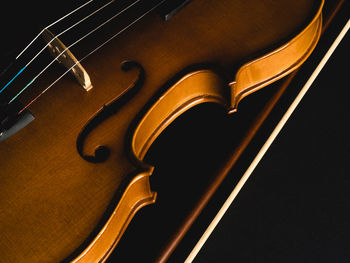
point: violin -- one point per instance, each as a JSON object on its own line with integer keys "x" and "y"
{"x": 82, "y": 103}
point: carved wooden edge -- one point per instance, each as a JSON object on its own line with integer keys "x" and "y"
{"x": 207, "y": 86}
{"x": 136, "y": 195}
{"x": 264, "y": 70}
{"x": 195, "y": 88}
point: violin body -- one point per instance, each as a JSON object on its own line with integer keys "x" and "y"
{"x": 59, "y": 203}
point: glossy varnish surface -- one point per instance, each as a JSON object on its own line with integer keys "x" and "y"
{"x": 52, "y": 200}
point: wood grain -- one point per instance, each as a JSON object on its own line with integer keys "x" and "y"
{"x": 53, "y": 203}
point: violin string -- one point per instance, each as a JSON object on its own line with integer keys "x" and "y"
{"x": 90, "y": 53}
{"x": 266, "y": 146}
{"x": 52, "y": 24}
{"x": 64, "y": 31}
{"x": 70, "y": 46}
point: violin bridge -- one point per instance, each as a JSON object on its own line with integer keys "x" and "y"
{"x": 65, "y": 57}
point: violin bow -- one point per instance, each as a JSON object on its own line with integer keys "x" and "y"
{"x": 227, "y": 166}
{"x": 267, "y": 144}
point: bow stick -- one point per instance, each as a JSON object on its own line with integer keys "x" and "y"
{"x": 266, "y": 146}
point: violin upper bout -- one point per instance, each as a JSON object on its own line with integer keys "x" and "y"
{"x": 264, "y": 70}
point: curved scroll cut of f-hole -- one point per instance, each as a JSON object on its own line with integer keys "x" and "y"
{"x": 102, "y": 153}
